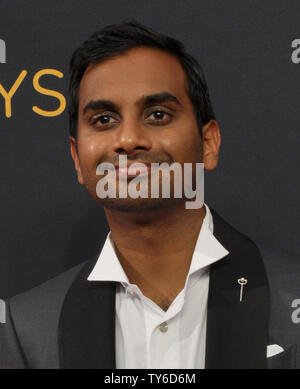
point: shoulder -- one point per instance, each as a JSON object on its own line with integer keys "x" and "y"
{"x": 283, "y": 272}
{"x": 228, "y": 235}
{"x": 282, "y": 267}
{"x": 35, "y": 313}
{"x": 48, "y": 294}
{"x": 32, "y": 320}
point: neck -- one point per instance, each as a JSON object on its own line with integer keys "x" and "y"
{"x": 155, "y": 248}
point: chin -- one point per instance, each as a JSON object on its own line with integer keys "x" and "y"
{"x": 139, "y": 204}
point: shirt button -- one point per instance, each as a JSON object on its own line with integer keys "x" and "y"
{"x": 163, "y": 327}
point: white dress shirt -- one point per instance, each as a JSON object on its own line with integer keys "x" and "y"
{"x": 148, "y": 337}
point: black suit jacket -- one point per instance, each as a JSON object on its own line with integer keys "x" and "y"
{"x": 69, "y": 322}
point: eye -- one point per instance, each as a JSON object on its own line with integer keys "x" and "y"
{"x": 159, "y": 117}
{"x": 103, "y": 119}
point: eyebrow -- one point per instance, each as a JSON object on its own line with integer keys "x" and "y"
{"x": 157, "y": 98}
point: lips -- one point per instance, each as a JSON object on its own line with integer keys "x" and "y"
{"x": 133, "y": 170}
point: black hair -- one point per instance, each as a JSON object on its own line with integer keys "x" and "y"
{"x": 115, "y": 39}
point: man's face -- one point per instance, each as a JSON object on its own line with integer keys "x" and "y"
{"x": 135, "y": 104}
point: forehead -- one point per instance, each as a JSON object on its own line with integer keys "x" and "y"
{"x": 127, "y": 77}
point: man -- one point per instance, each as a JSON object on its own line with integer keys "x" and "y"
{"x": 172, "y": 287}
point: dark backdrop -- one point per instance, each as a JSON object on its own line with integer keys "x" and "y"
{"x": 48, "y": 222}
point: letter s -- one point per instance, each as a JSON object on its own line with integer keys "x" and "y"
{"x": 48, "y": 92}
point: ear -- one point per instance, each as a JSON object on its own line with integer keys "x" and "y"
{"x": 74, "y": 153}
{"x": 211, "y": 144}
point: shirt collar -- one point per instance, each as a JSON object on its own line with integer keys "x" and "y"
{"x": 207, "y": 251}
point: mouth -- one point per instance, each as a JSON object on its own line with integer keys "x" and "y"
{"x": 135, "y": 169}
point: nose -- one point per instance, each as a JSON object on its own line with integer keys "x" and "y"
{"x": 131, "y": 137}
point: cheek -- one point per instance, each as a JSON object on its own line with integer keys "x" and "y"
{"x": 183, "y": 146}
{"x": 89, "y": 153}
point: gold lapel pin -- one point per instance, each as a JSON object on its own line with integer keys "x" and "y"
{"x": 242, "y": 281}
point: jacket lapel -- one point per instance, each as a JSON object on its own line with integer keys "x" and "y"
{"x": 237, "y": 332}
{"x": 87, "y": 324}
